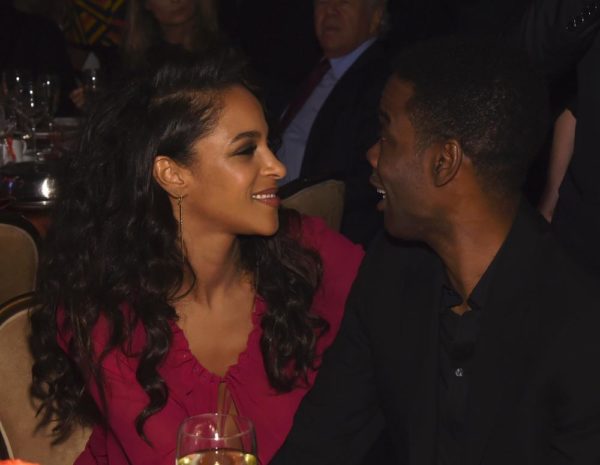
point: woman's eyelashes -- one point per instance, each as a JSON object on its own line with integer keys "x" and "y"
{"x": 249, "y": 149}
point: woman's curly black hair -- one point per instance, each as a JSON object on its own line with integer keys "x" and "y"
{"x": 113, "y": 240}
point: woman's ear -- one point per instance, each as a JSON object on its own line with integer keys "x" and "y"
{"x": 169, "y": 175}
{"x": 447, "y": 162}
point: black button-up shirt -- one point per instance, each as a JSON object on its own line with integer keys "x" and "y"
{"x": 457, "y": 338}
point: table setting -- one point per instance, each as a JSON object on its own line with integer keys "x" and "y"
{"x": 32, "y": 142}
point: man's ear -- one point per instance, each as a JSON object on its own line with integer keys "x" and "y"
{"x": 169, "y": 175}
{"x": 446, "y": 162}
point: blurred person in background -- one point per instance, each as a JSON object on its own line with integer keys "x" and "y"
{"x": 157, "y": 31}
{"x": 329, "y": 125}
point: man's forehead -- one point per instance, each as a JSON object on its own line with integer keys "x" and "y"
{"x": 396, "y": 94}
{"x": 370, "y": 3}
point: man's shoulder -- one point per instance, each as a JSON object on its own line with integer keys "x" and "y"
{"x": 562, "y": 277}
{"x": 374, "y": 62}
{"x": 390, "y": 256}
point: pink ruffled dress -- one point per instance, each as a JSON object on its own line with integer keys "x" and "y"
{"x": 194, "y": 390}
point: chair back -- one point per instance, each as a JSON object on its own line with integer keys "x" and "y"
{"x": 19, "y": 437}
{"x": 323, "y": 198}
{"x": 18, "y": 255}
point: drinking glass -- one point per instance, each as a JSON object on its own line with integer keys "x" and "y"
{"x": 216, "y": 439}
{"x": 92, "y": 83}
{"x": 11, "y": 86}
{"x": 49, "y": 85}
{"x": 31, "y": 105}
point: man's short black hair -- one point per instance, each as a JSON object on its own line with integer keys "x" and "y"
{"x": 486, "y": 96}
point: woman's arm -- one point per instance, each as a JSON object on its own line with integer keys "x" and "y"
{"x": 561, "y": 152}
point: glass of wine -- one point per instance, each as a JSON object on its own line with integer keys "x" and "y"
{"x": 216, "y": 439}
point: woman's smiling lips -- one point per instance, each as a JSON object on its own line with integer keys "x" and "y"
{"x": 268, "y": 197}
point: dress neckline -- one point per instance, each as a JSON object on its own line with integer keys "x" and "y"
{"x": 180, "y": 344}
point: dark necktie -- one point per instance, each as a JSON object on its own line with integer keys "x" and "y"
{"x": 305, "y": 91}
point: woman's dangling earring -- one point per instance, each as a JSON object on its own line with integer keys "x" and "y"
{"x": 180, "y": 232}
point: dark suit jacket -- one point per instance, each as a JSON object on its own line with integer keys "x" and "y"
{"x": 344, "y": 129}
{"x": 534, "y": 392}
{"x": 556, "y": 33}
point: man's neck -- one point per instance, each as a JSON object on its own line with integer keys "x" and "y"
{"x": 471, "y": 240}
{"x": 341, "y": 64}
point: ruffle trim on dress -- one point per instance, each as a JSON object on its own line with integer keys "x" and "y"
{"x": 182, "y": 365}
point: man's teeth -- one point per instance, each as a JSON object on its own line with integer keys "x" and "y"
{"x": 381, "y": 192}
{"x": 264, "y": 196}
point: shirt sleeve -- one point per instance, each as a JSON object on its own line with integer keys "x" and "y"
{"x": 340, "y": 418}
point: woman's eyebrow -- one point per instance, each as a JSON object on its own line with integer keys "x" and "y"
{"x": 246, "y": 135}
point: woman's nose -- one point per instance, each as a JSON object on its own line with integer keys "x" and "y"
{"x": 274, "y": 167}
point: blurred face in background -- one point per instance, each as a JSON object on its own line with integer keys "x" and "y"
{"x": 172, "y": 12}
{"x": 342, "y": 25}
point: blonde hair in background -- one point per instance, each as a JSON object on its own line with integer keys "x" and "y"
{"x": 143, "y": 31}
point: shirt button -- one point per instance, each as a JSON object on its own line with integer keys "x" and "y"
{"x": 458, "y": 372}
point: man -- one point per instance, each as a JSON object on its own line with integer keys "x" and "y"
{"x": 331, "y": 123}
{"x": 478, "y": 344}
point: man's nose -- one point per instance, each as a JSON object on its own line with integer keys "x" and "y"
{"x": 373, "y": 154}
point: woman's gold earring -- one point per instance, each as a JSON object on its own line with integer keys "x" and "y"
{"x": 179, "y": 202}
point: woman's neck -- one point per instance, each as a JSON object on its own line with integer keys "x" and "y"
{"x": 180, "y": 34}
{"x": 217, "y": 267}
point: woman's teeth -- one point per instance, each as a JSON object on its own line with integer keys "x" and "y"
{"x": 263, "y": 196}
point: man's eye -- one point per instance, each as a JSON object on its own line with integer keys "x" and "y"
{"x": 247, "y": 150}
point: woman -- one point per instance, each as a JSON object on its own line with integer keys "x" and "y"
{"x": 158, "y": 31}
{"x": 158, "y": 28}
{"x": 172, "y": 283}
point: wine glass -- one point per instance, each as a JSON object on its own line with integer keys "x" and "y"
{"x": 49, "y": 85}
{"x": 31, "y": 106}
{"x": 11, "y": 87}
{"x": 92, "y": 84}
{"x": 216, "y": 439}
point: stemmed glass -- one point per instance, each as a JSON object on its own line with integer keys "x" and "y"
{"x": 50, "y": 87}
{"x": 32, "y": 107}
{"x": 92, "y": 84}
{"x": 11, "y": 85}
{"x": 216, "y": 439}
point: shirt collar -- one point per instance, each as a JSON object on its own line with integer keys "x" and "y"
{"x": 512, "y": 255}
{"x": 340, "y": 65}
{"x": 477, "y": 299}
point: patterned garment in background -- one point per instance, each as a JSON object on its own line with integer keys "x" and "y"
{"x": 95, "y": 22}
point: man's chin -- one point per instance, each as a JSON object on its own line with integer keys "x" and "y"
{"x": 391, "y": 225}
{"x": 397, "y": 228}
